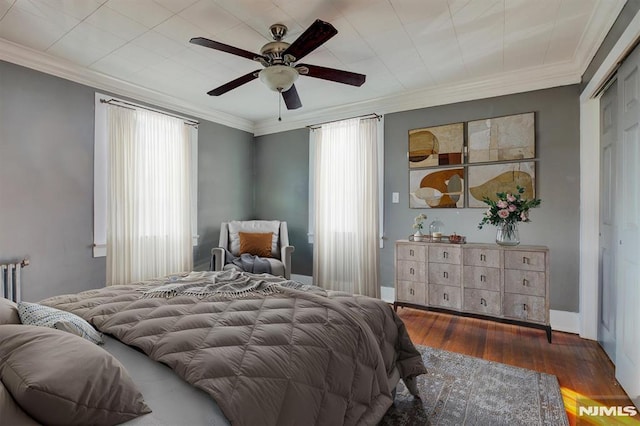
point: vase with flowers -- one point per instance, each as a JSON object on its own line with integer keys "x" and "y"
{"x": 505, "y": 213}
{"x": 418, "y": 225}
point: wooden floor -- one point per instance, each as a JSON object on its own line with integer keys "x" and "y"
{"x": 581, "y": 366}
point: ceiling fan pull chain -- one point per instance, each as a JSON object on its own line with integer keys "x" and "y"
{"x": 279, "y": 105}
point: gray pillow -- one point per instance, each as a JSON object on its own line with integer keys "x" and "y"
{"x": 45, "y": 316}
{"x": 8, "y": 312}
{"x": 61, "y": 379}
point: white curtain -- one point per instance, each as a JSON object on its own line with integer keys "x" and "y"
{"x": 346, "y": 240}
{"x": 149, "y": 217}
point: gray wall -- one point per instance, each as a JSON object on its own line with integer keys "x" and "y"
{"x": 282, "y": 189}
{"x": 46, "y": 181}
{"x": 282, "y": 159}
{"x": 225, "y": 183}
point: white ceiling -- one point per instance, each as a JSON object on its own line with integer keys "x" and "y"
{"x": 414, "y": 52}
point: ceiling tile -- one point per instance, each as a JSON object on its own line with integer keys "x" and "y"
{"x": 12, "y": 27}
{"x": 115, "y": 23}
{"x": 145, "y": 12}
{"x": 178, "y": 29}
{"x": 159, "y": 44}
{"x": 85, "y": 44}
{"x": 53, "y": 15}
{"x": 130, "y": 57}
{"x": 305, "y": 12}
{"x": 410, "y": 11}
{"x": 175, "y": 6}
{"x": 210, "y": 17}
{"x": 569, "y": 30}
{"x": 78, "y": 9}
{"x": 377, "y": 17}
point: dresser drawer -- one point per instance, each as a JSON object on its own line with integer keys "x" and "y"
{"x": 526, "y": 260}
{"x": 412, "y": 292}
{"x": 411, "y": 252}
{"x": 445, "y": 296}
{"x": 410, "y": 270}
{"x": 482, "y": 257}
{"x": 525, "y": 282}
{"x": 523, "y": 307}
{"x": 482, "y": 301}
{"x": 444, "y": 254}
{"x": 482, "y": 278}
{"x": 444, "y": 273}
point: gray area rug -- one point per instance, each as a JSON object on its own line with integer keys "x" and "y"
{"x": 463, "y": 390}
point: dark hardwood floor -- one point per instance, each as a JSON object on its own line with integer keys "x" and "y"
{"x": 581, "y": 366}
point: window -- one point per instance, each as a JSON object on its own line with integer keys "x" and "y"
{"x": 145, "y": 195}
{"x": 345, "y": 220}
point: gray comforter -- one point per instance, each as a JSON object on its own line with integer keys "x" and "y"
{"x": 288, "y": 358}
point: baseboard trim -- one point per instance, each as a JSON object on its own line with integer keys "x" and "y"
{"x": 304, "y": 279}
{"x": 568, "y": 322}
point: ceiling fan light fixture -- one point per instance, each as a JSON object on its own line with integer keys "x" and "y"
{"x": 279, "y": 78}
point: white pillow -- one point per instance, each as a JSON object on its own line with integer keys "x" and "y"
{"x": 255, "y": 226}
{"x": 45, "y": 316}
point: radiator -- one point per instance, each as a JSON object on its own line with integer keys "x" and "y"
{"x": 10, "y": 281}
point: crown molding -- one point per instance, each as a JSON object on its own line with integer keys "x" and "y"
{"x": 40, "y": 61}
{"x": 506, "y": 83}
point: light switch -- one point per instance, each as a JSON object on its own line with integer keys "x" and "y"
{"x": 395, "y": 197}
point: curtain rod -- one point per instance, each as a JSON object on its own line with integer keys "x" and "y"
{"x": 122, "y": 104}
{"x": 371, "y": 115}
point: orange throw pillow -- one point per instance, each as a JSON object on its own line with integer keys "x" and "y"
{"x": 258, "y": 244}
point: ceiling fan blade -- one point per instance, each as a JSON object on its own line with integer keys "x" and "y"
{"x": 201, "y": 41}
{"x": 332, "y": 74}
{"x": 291, "y": 98}
{"x": 312, "y": 38}
{"x": 234, "y": 83}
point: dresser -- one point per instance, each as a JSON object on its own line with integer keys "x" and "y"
{"x": 506, "y": 284}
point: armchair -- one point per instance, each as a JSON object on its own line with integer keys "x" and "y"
{"x": 280, "y": 253}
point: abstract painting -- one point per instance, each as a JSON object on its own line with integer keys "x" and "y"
{"x": 436, "y": 188}
{"x": 486, "y": 181}
{"x": 502, "y": 138}
{"x": 436, "y": 146}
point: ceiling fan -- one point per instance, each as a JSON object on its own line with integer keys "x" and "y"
{"x": 279, "y": 59}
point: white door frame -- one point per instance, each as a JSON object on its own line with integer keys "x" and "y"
{"x": 590, "y": 181}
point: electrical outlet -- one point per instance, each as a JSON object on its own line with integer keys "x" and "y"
{"x": 395, "y": 197}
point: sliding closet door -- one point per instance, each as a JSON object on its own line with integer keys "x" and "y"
{"x": 606, "y": 281}
{"x": 628, "y": 229}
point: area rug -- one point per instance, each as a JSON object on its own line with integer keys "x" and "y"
{"x": 463, "y": 390}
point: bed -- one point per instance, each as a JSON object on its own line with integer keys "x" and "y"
{"x": 267, "y": 350}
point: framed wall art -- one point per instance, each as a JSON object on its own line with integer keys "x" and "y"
{"x": 502, "y": 138}
{"x": 436, "y": 146}
{"x": 487, "y": 180}
{"x": 437, "y": 188}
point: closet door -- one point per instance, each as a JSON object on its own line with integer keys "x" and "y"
{"x": 606, "y": 280}
{"x": 628, "y": 229}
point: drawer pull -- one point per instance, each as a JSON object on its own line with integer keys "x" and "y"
{"x": 445, "y": 274}
{"x": 411, "y": 292}
{"x": 445, "y": 296}
{"x": 411, "y": 252}
{"x": 483, "y": 258}
{"x": 483, "y": 278}
{"x": 525, "y": 282}
{"x": 524, "y": 306}
{"x": 483, "y": 301}
{"x": 445, "y": 254}
{"x": 412, "y": 271}
{"x": 525, "y": 260}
